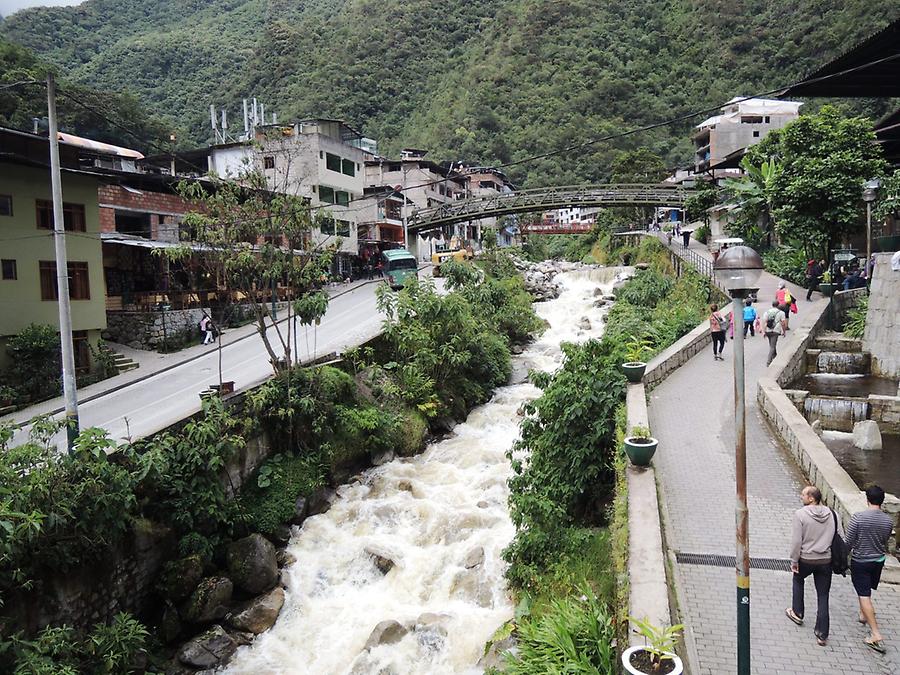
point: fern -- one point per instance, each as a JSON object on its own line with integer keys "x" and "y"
{"x": 856, "y": 319}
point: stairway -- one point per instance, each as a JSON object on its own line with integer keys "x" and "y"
{"x": 122, "y": 363}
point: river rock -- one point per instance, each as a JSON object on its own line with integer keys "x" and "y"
{"x": 516, "y": 349}
{"x": 301, "y": 510}
{"x": 386, "y": 633}
{"x": 866, "y": 435}
{"x": 208, "y": 650}
{"x": 281, "y": 535}
{"x": 209, "y": 601}
{"x": 321, "y": 500}
{"x": 382, "y": 458}
{"x": 468, "y": 585}
{"x": 284, "y": 558}
{"x": 181, "y": 578}
{"x": 584, "y": 323}
{"x": 383, "y": 559}
{"x": 493, "y": 658}
{"x": 259, "y": 614}
{"x": 474, "y": 558}
{"x": 170, "y": 625}
{"x": 609, "y": 298}
{"x": 251, "y": 564}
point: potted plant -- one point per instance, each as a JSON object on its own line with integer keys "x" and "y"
{"x": 826, "y": 287}
{"x": 635, "y": 350}
{"x": 656, "y": 656}
{"x": 640, "y": 446}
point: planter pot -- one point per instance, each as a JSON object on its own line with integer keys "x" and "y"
{"x": 634, "y": 370}
{"x": 640, "y": 453}
{"x": 827, "y": 289}
{"x": 887, "y": 244}
{"x": 226, "y": 388}
{"x": 670, "y": 667}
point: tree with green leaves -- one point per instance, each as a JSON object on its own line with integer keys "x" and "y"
{"x": 815, "y": 197}
{"x": 254, "y": 241}
{"x": 637, "y": 166}
{"x": 705, "y": 196}
{"x": 753, "y": 196}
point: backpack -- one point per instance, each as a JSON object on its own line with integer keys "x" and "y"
{"x": 788, "y": 298}
{"x": 770, "y": 320}
{"x": 723, "y": 322}
{"x": 840, "y": 553}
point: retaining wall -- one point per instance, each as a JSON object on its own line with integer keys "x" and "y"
{"x": 841, "y": 304}
{"x": 883, "y": 319}
{"x": 148, "y": 330}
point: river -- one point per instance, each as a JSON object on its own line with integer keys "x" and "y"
{"x": 441, "y": 517}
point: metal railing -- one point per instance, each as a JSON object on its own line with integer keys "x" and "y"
{"x": 543, "y": 199}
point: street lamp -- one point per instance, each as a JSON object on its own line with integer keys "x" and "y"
{"x": 869, "y": 195}
{"x": 738, "y": 270}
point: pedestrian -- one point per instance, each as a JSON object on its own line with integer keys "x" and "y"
{"x": 206, "y": 326}
{"x": 686, "y": 237}
{"x": 776, "y": 325}
{"x": 784, "y": 298}
{"x": 669, "y": 238}
{"x": 749, "y": 318}
{"x": 867, "y": 539}
{"x": 812, "y": 531}
{"x": 814, "y": 277}
{"x": 717, "y": 326}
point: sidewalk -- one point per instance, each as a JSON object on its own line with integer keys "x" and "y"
{"x": 692, "y": 413}
{"x": 151, "y": 363}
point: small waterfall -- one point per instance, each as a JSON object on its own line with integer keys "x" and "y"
{"x": 842, "y": 363}
{"x": 839, "y": 414}
{"x": 603, "y": 275}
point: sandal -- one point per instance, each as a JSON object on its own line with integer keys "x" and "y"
{"x": 876, "y": 645}
{"x": 789, "y": 612}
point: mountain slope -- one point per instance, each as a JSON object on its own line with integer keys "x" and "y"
{"x": 490, "y": 81}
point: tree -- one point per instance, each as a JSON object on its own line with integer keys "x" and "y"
{"x": 753, "y": 194}
{"x": 254, "y": 240}
{"x": 825, "y": 158}
{"x": 705, "y": 196}
{"x": 638, "y": 166}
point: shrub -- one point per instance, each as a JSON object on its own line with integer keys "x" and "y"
{"x": 270, "y": 502}
{"x": 856, "y": 319}
{"x": 34, "y": 362}
{"x": 646, "y": 289}
{"x": 786, "y": 262}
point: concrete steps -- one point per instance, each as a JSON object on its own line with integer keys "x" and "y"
{"x": 122, "y": 363}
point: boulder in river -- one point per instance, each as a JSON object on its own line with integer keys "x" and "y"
{"x": 386, "y": 633}
{"x": 209, "y": 601}
{"x": 301, "y": 510}
{"x": 584, "y": 323}
{"x": 181, "y": 578}
{"x": 208, "y": 650}
{"x": 259, "y": 614}
{"x": 382, "y": 457}
{"x": 251, "y": 564}
{"x": 383, "y": 559}
{"x": 474, "y": 558}
{"x": 321, "y": 500}
{"x": 867, "y": 435}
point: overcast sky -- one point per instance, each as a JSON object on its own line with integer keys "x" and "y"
{"x": 7, "y": 7}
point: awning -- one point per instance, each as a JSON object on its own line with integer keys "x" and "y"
{"x": 140, "y": 242}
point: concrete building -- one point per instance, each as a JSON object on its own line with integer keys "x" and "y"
{"x": 740, "y": 124}
{"x": 425, "y": 184}
{"x": 28, "y": 290}
{"x": 488, "y": 182}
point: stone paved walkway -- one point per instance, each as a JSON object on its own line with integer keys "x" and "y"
{"x": 691, "y": 413}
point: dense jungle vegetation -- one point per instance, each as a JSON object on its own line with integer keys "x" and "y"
{"x": 489, "y": 82}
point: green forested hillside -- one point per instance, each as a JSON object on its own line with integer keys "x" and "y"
{"x": 490, "y": 81}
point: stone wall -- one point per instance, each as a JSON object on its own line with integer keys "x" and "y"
{"x": 883, "y": 319}
{"x": 886, "y": 411}
{"x": 150, "y": 330}
{"x": 841, "y": 304}
{"x": 676, "y": 355}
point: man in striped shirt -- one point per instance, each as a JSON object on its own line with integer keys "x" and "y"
{"x": 867, "y": 538}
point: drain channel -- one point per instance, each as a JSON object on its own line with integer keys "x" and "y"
{"x": 714, "y": 560}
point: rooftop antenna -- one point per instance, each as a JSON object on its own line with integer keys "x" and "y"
{"x": 262, "y": 113}
{"x": 274, "y": 118}
{"x": 255, "y": 113}
{"x": 212, "y": 121}
{"x": 246, "y": 120}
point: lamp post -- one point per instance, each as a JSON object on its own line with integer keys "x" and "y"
{"x": 869, "y": 195}
{"x": 737, "y": 270}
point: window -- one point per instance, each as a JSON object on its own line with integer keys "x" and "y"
{"x": 342, "y": 198}
{"x": 8, "y": 268}
{"x": 755, "y": 134}
{"x": 767, "y": 119}
{"x": 343, "y": 228}
{"x": 73, "y": 216}
{"x": 5, "y": 205}
{"x": 348, "y": 168}
{"x": 320, "y": 154}
{"x": 326, "y": 194}
{"x": 751, "y": 119}
{"x": 332, "y": 162}
{"x": 327, "y": 226}
{"x": 269, "y": 162}
{"x": 79, "y": 285}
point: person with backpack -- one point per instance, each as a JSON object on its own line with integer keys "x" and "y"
{"x": 867, "y": 538}
{"x": 749, "y": 318}
{"x": 813, "y": 531}
{"x": 206, "y": 326}
{"x": 776, "y": 325}
{"x": 785, "y": 300}
{"x": 717, "y": 326}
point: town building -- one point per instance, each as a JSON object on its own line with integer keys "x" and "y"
{"x": 28, "y": 286}
{"x": 486, "y": 182}
{"x": 425, "y": 184}
{"x": 721, "y": 140}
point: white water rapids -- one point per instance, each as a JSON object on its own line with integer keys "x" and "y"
{"x": 431, "y": 514}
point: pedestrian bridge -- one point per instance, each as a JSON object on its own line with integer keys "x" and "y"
{"x": 546, "y": 199}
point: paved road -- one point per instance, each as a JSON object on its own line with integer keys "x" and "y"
{"x": 692, "y": 414}
{"x": 143, "y": 408}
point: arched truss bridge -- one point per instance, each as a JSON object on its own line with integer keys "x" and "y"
{"x": 546, "y": 199}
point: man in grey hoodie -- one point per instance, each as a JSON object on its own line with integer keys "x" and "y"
{"x": 811, "y": 534}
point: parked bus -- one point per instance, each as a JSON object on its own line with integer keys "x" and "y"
{"x": 399, "y": 265}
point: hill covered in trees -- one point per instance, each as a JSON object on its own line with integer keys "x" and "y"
{"x": 491, "y": 81}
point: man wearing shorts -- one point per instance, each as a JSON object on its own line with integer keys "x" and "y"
{"x": 867, "y": 538}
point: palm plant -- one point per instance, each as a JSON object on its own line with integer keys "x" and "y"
{"x": 754, "y": 192}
